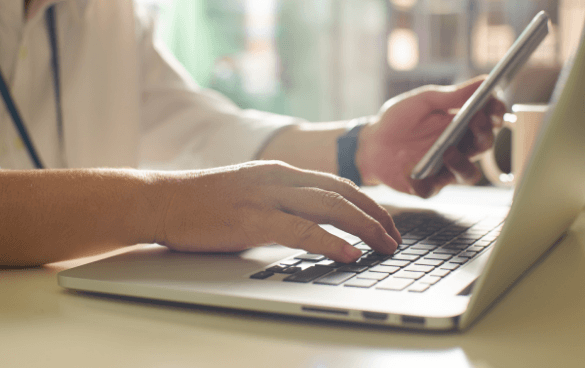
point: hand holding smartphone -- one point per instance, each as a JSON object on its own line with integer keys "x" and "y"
{"x": 500, "y": 76}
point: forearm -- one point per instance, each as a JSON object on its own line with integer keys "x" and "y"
{"x": 52, "y": 215}
{"x": 311, "y": 146}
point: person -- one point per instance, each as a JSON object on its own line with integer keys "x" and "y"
{"x": 107, "y": 109}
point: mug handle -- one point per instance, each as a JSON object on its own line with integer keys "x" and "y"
{"x": 488, "y": 160}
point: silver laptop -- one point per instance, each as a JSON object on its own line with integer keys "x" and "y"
{"x": 452, "y": 266}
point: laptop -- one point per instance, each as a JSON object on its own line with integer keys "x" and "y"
{"x": 455, "y": 262}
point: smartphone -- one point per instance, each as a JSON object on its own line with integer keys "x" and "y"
{"x": 499, "y": 77}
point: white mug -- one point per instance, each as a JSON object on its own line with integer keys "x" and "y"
{"x": 524, "y": 124}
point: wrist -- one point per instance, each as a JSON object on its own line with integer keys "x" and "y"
{"x": 363, "y": 157}
{"x": 347, "y": 145}
{"x": 153, "y": 196}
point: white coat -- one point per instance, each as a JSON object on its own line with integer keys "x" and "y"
{"x": 126, "y": 101}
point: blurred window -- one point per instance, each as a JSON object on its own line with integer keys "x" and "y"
{"x": 338, "y": 59}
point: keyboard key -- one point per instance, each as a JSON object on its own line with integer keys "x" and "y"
{"x": 361, "y": 283}
{"x": 467, "y": 254}
{"x": 373, "y": 275}
{"x": 469, "y": 237}
{"x": 482, "y": 243}
{"x": 310, "y": 257}
{"x": 351, "y": 239}
{"x": 290, "y": 262}
{"x": 329, "y": 263}
{"x": 334, "y": 278}
{"x": 458, "y": 247}
{"x": 409, "y": 241}
{"x": 465, "y": 241}
{"x": 476, "y": 230}
{"x": 459, "y": 260}
{"x": 474, "y": 248}
{"x": 409, "y": 274}
{"x": 451, "y": 230}
{"x": 418, "y": 287}
{"x": 413, "y": 236}
{"x": 262, "y": 275}
{"x": 446, "y": 251}
{"x": 456, "y": 229}
{"x": 450, "y": 266}
{"x": 305, "y": 264}
{"x": 428, "y": 279}
{"x": 419, "y": 268}
{"x": 291, "y": 270}
{"x": 276, "y": 269}
{"x": 384, "y": 269}
{"x": 362, "y": 246}
{"x": 424, "y": 246}
{"x": 308, "y": 274}
{"x": 368, "y": 262}
{"x": 378, "y": 256}
{"x": 429, "y": 262}
{"x": 440, "y": 272}
{"x": 434, "y": 227}
{"x": 416, "y": 252}
{"x": 405, "y": 257}
{"x": 394, "y": 284}
{"x": 431, "y": 241}
{"x": 353, "y": 268}
{"x": 441, "y": 257}
{"x": 395, "y": 262}
{"x": 438, "y": 239}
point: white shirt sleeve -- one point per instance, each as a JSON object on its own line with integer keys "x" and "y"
{"x": 184, "y": 126}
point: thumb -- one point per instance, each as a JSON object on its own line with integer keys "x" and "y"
{"x": 445, "y": 98}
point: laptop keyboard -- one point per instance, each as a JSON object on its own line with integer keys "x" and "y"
{"x": 432, "y": 247}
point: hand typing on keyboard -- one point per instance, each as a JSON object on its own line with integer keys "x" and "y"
{"x": 433, "y": 246}
{"x": 265, "y": 202}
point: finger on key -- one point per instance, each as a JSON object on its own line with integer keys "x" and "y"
{"x": 325, "y": 207}
{"x": 296, "y": 232}
{"x": 352, "y": 193}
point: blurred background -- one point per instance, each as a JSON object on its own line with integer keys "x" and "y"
{"x": 338, "y": 59}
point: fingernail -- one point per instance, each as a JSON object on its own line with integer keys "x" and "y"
{"x": 351, "y": 252}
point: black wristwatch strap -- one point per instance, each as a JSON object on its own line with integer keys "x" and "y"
{"x": 346, "y": 150}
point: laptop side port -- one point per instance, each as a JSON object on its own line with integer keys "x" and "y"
{"x": 341, "y": 312}
{"x": 412, "y": 320}
{"x": 375, "y": 316}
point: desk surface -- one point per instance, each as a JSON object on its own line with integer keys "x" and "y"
{"x": 540, "y": 323}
